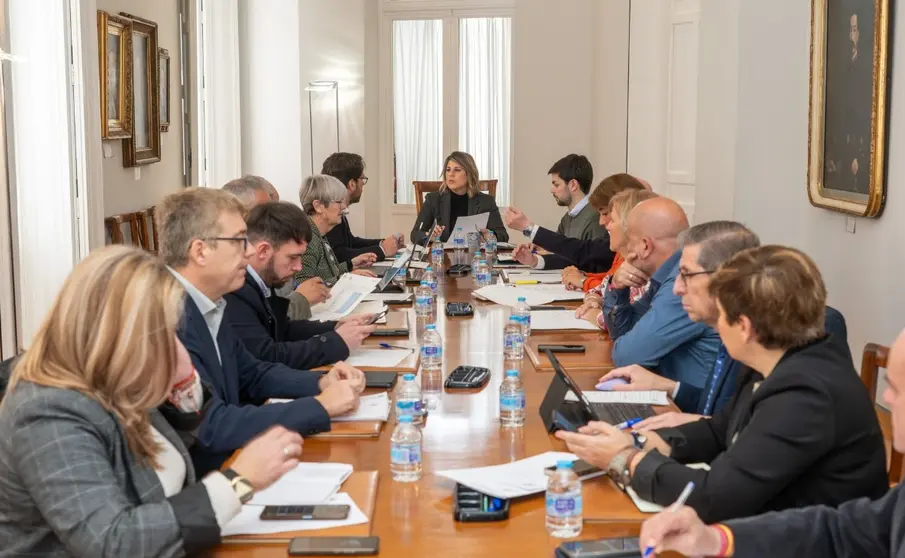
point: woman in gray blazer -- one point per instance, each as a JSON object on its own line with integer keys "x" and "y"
{"x": 88, "y": 464}
{"x": 458, "y": 197}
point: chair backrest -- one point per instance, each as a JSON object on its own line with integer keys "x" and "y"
{"x": 874, "y": 358}
{"x": 424, "y": 187}
{"x": 135, "y": 224}
{"x": 148, "y": 228}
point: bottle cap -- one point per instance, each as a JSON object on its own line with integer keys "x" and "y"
{"x": 521, "y": 299}
{"x": 407, "y": 419}
{"x": 405, "y": 405}
{"x": 430, "y": 327}
{"x": 429, "y": 268}
{"x": 425, "y": 284}
{"x": 512, "y": 373}
{"x": 408, "y": 377}
{"x": 563, "y": 464}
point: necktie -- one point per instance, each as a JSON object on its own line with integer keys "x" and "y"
{"x": 718, "y": 368}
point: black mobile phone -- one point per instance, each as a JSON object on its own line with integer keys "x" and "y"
{"x": 381, "y": 379}
{"x": 334, "y": 546}
{"x": 561, "y": 348}
{"x": 379, "y": 316}
{"x": 603, "y": 548}
{"x": 287, "y": 513}
{"x": 580, "y": 467}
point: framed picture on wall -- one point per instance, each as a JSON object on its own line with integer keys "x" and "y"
{"x": 164, "y": 70}
{"x": 848, "y": 122}
{"x": 114, "y": 36}
{"x": 143, "y": 147}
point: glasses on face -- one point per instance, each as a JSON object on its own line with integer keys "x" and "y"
{"x": 364, "y": 180}
{"x": 686, "y": 275}
{"x": 243, "y": 239}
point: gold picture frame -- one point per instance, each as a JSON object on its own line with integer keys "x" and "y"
{"x": 848, "y": 119}
{"x": 114, "y": 37}
{"x": 163, "y": 62}
{"x": 143, "y": 147}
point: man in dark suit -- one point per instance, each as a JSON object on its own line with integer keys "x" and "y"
{"x": 204, "y": 242}
{"x": 279, "y": 234}
{"x": 349, "y": 168}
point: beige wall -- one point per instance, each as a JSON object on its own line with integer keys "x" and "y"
{"x": 122, "y": 192}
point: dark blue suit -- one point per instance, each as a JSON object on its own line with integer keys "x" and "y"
{"x": 231, "y": 419}
{"x": 265, "y": 329}
{"x": 588, "y": 255}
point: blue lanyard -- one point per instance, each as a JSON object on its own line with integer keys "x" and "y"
{"x": 721, "y": 357}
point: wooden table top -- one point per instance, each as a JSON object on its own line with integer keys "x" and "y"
{"x": 462, "y": 430}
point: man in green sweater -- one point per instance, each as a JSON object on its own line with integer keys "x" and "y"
{"x": 571, "y": 179}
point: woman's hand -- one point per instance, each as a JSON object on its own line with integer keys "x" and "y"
{"x": 597, "y": 443}
{"x": 269, "y": 456}
{"x": 572, "y": 278}
{"x": 639, "y": 379}
{"x": 363, "y": 260}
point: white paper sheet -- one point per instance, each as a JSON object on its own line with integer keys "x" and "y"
{"x": 469, "y": 223}
{"x": 345, "y": 296}
{"x": 378, "y": 358}
{"x": 532, "y": 276}
{"x": 370, "y": 307}
{"x": 308, "y": 483}
{"x": 637, "y": 397}
{"x": 649, "y": 507}
{"x": 559, "y": 320}
{"x": 511, "y": 480}
{"x": 508, "y": 296}
{"x": 388, "y": 296}
{"x": 558, "y": 291}
{"x": 249, "y": 522}
{"x": 370, "y": 407}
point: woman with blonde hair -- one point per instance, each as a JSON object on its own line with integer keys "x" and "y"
{"x": 90, "y": 464}
{"x": 459, "y": 196}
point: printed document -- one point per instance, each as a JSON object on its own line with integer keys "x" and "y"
{"x": 308, "y": 483}
{"x": 469, "y": 223}
{"x": 511, "y": 480}
{"x": 559, "y": 320}
{"x": 377, "y": 358}
{"x": 345, "y": 296}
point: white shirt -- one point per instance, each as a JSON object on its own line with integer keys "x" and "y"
{"x": 254, "y": 275}
{"x": 578, "y": 207}
{"x": 212, "y": 311}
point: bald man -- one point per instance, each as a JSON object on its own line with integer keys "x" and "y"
{"x": 656, "y": 332}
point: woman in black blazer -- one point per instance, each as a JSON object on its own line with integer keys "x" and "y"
{"x": 800, "y": 431}
{"x": 458, "y": 197}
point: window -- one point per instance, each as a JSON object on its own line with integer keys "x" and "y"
{"x": 451, "y": 91}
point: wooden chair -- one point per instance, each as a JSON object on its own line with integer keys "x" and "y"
{"x": 874, "y": 358}
{"x": 138, "y": 234}
{"x": 148, "y": 229}
{"x": 424, "y": 187}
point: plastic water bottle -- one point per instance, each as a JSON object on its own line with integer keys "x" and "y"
{"x": 563, "y": 502}
{"x": 512, "y": 400}
{"x": 459, "y": 245}
{"x": 399, "y": 277}
{"x": 437, "y": 253}
{"x": 405, "y": 451}
{"x": 424, "y": 300}
{"x": 490, "y": 248}
{"x": 522, "y": 312}
{"x": 431, "y": 349}
{"x": 430, "y": 278}
{"x": 513, "y": 342}
{"x": 408, "y": 400}
{"x": 482, "y": 274}
{"x": 475, "y": 260}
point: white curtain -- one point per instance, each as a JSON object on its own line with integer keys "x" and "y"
{"x": 417, "y": 103}
{"x": 485, "y": 81}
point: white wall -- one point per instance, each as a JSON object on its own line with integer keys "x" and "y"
{"x": 862, "y": 271}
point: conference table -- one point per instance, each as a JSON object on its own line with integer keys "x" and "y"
{"x": 461, "y": 430}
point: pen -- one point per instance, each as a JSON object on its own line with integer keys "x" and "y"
{"x": 527, "y": 282}
{"x": 683, "y": 497}
{"x": 388, "y": 346}
{"x": 629, "y": 423}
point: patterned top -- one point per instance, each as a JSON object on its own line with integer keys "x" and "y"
{"x": 319, "y": 260}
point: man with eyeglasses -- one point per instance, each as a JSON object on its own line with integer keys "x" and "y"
{"x": 349, "y": 169}
{"x": 204, "y": 242}
{"x": 656, "y": 332}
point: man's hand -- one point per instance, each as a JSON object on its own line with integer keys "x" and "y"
{"x": 572, "y": 278}
{"x": 629, "y": 276}
{"x": 437, "y": 232}
{"x": 515, "y": 219}
{"x": 339, "y": 398}
{"x": 364, "y": 260}
{"x": 639, "y": 379}
{"x": 681, "y": 531}
{"x": 343, "y": 372}
{"x": 359, "y": 319}
{"x": 390, "y": 245}
{"x": 364, "y": 273}
{"x": 314, "y": 290}
{"x": 666, "y": 420}
{"x": 524, "y": 254}
{"x": 353, "y": 333}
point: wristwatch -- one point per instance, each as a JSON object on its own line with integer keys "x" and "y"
{"x": 640, "y": 440}
{"x": 618, "y": 469}
{"x": 528, "y": 230}
{"x": 240, "y": 484}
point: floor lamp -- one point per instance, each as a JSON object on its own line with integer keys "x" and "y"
{"x": 317, "y": 87}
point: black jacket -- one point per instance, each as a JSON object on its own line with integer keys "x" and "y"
{"x": 264, "y": 327}
{"x": 590, "y": 256}
{"x": 346, "y": 245}
{"x": 438, "y": 206}
{"x": 806, "y": 435}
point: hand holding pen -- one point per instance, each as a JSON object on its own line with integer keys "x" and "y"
{"x": 680, "y": 529}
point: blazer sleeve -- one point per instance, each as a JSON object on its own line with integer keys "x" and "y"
{"x": 259, "y": 380}
{"x": 425, "y": 220}
{"x": 688, "y": 397}
{"x": 495, "y": 222}
{"x": 299, "y": 307}
{"x": 346, "y": 245}
{"x": 593, "y": 256}
{"x": 65, "y": 466}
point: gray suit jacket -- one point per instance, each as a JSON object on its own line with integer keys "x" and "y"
{"x": 437, "y": 206}
{"x": 69, "y": 486}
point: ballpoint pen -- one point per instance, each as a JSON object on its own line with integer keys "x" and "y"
{"x": 683, "y": 497}
{"x": 527, "y": 282}
{"x": 388, "y": 346}
{"x": 629, "y": 423}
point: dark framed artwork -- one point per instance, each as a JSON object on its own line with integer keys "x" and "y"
{"x": 114, "y": 36}
{"x": 144, "y": 145}
{"x": 164, "y": 70}
{"x": 848, "y": 122}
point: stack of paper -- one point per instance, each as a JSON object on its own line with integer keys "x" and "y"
{"x": 345, "y": 296}
{"x": 558, "y": 320}
{"x": 512, "y": 480}
{"x": 308, "y": 483}
{"x": 249, "y": 522}
{"x": 377, "y": 358}
{"x": 508, "y": 296}
{"x": 636, "y": 397}
{"x": 370, "y": 408}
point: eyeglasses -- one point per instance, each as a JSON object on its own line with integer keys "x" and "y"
{"x": 364, "y": 180}
{"x": 686, "y": 276}
{"x": 242, "y": 239}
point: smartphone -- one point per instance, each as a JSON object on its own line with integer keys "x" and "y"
{"x": 603, "y": 548}
{"x": 580, "y": 467}
{"x": 334, "y": 546}
{"x": 561, "y": 348}
{"x": 379, "y": 316}
{"x": 288, "y": 513}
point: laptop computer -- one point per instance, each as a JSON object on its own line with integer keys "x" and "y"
{"x": 411, "y": 275}
{"x": 559, "y": 414}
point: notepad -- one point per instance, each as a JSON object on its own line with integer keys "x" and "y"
{"x": 370, "y": 408}
{"x": 558, "y": 320}
{"x": 649, "y": 507}
{"x": 636, "y": 397}
{"x": 377, "y": 358}
{"x": 308, "y": 483}
{"x": 249, "y": 522}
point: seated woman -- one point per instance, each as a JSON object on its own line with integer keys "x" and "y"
{"x": 805, "y": 434}
{"x": 90, "y": 466}
{"x": 620, "y": 206}
{"x": 324, "y": 200}
{"x": 458, "y": 197}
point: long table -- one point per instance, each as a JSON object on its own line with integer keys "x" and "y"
{"x": 462, "y": 430}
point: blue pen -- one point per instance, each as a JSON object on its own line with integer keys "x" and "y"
{"x": 683, "y": 497}
{"x": 388, "y": 346}
{"x": 629, "y": 423}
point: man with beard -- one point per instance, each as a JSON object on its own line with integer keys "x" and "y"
{"x": 278, "y": 234}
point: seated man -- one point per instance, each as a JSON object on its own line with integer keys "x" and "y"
{"x": 857, "y": 528}
{"x": 203, "y": 240}
{"x": 655, "y": 331}
{"x": 279, "y": 233}
{"x": 250, "y": 189}
{"x": 805, "y": 434}
{"x": 349, "y": 168}
{"x": 591, "y": 255}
